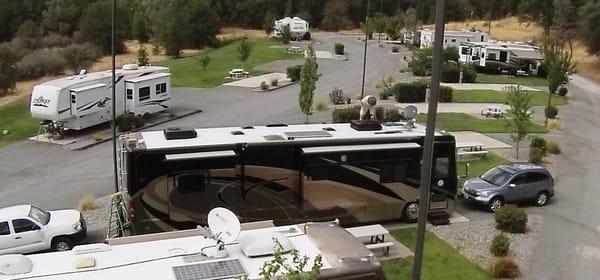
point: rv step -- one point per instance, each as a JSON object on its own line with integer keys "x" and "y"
{"x": 439, "y": 218}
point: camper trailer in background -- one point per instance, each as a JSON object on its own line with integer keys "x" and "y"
{"x": 298, "y": 27}
{"x": 515, "y": 55}
{"x": 452, "y": 38}
{"x": 80, "y": 101}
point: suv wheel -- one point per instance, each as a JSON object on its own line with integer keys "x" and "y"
{"x": 411, "y": 212}
{"x": 62, "y": 244}
{"x": 495, "y": 204}
{"x": 541, "y": 199}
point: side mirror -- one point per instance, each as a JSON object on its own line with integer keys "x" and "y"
{"x": 511, "y": 185}
{"x": 35, "y": 227}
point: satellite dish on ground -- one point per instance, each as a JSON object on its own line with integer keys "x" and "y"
{"x": 224, "y": 224}
{"x": 410, "y": 112}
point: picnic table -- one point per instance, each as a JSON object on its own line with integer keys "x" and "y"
{"x": 470, "y": 148}
{"x": 295, "y": 50}
{"x": 375, "y": 232}
{"x": 238, "y": 73}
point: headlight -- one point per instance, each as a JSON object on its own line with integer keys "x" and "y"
{"x": 483, "y": 193}
{"x": 77, "y": 226}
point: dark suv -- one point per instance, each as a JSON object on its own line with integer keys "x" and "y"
{"x": 510, "y": 183}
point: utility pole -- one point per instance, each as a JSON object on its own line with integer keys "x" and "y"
{"x": 426, "y": 168}
{"x": 114, "y": 97}
{"x": 362, "y": 90}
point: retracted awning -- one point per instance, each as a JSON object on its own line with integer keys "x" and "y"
{"x": 200, "y": 155}
{"x": 353, "y": 148}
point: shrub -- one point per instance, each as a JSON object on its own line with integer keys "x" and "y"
{"x": 127, "y": 121}
{"x": 511, "y": 218}
{"x": 142, "y": 56}
{"x": 538, "y": 142}
{"x": 450, "y": 53}
{"x": 392, "y": 115}
{"x": 40, "y": 63}
{"x": 551, "y": 111}
{"x": 336, "y": 96}
{"x": 54, "y": 40}
{"x": 274, "y": 82}
{"x": 542, "y": 71}
{"x": 86, "y": 203}
{"x": 495, "y": 67}
{"x": 469, "y": 74}
{"x": 562, "y": 91}
{"x": 344, "y": 115}
{"x": 338, "y": 48}
{"x": 536, "y": 155}
{"x": 553, "y": 147}
{"x": 505, "y": 267}
{"x": 450, "y": 73}
{"x": 155, "y": 49}
{"x": 80, "y": 56}
{"x": 264, "y": 85}
{"x": 395, "y": 49}
{"x": 500, "y": 245}
{"x": 98, "y": 137}
{"x": 293, "y": 72}
{"x": 306, "y": 36}
{"x": 554, "y": 125}
{"x": 321, "y": 106}
{"x": 446, "y": 94}
{"x": 413, "y": 92}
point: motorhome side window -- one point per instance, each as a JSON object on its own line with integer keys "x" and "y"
{"x": 161, "y": 88}
{"x": 144, "y": 93}
{"x": 129, "y": 94}
{"x": 4, "y": 230}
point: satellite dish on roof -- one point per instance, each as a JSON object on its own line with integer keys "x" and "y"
{"x": 224, "y": 224}
{"x": 410, "y": 112}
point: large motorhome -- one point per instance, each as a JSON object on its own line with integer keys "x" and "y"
{"x": 289, "y": 174}
{"x": 519, "y": 55}
{"x": 80, "y": 101}
{"x": 298, "y": 27}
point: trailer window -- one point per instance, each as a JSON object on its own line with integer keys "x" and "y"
{"x": 144, "y": 93}
{"x": 161, "y": 88}
{"x": 73, "y": 98}
{"x": 129, "y": 94}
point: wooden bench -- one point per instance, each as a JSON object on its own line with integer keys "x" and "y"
{"x": 385, "y": 245}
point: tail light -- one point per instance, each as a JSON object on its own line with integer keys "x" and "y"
{"x": 132, "y": 211}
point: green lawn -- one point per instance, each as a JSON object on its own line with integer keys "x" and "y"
{"x": 478, "y": 167}
{"x": 505, "y": 79}
{"x": 440, "y": 260}
{"x": 15, "y": 118}
{"x": 187, "y": 72}
{"x": 492, "y": 96}
{"x": 466, "y": 122}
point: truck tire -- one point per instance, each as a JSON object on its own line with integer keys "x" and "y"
{"x": 62, "y": 243}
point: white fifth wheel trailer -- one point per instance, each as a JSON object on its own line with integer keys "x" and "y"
{"x": 80, "y": 101}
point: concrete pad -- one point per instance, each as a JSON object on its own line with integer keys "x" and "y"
{"x": 477, "y": 86}
{"x": 324, "y": 54}
{"x": 468, "y": 108}
{"x": 456, "y": 218}
{"x": 254, "y": 82}
{"x": 488, "y": 142}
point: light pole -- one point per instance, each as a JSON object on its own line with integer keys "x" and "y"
{"x": 362, "y": 90}
{"x": 429, "y": 135}
{"x": 114, "y": 98}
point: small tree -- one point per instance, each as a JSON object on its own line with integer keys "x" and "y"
{"x": 283, "y": 268}
{"x": 269, "y": 23}
{"x": 8, "y": 71}
{"x": 308, "y": 81}
{"x": 142, "y": 56}
{"x": 204, "y": 61}
{"x": 285, "y": 34}
{"x": 518, "y": 118}
{"x": 379, "y": 25}
{"x": 244, "y": 50}
{"x": 558, "y": 66}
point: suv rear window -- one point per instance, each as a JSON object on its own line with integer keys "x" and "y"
{"x": 4, "y": 230}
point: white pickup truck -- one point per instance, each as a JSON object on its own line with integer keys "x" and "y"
{"x": 26, "y": 228}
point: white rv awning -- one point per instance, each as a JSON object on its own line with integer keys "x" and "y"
{"x": 353, "y": 148}
{"x": 88, "y": 87}
{"x": 148, "y": 77}
{"x": 201, "y": 155}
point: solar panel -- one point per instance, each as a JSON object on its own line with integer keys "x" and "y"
{"x": 307, "y": 134}
{"x": 210, "y": 271}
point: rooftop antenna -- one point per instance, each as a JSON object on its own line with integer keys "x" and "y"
{"x": 224, "y": 227}
{"x": 409, "y": 112}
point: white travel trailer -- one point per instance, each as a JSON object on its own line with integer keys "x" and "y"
{"x": 518, "y": 54}
{"x": 298, "y": 27}
{"x": 84, "y": 100}
{"x": 453, "y": 38}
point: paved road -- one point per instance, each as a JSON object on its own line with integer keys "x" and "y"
{"x": 569, "y": 246}
{"x": 51, "y": 177}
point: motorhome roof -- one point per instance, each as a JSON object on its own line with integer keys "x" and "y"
{"x": 155, "y": 256}
{"x": 207, "y": 137}
{"x": 73, "y": 80}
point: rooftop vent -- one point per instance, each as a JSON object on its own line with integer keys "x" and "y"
{"x": 365, "y": 125}
{"x": 172, "y": 133}
{"x": 276, "y": 125}
{"x": 130, "y": 67}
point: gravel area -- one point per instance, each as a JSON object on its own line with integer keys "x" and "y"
{"x": 473, "y": 240}
{"x": 97, "y": 217}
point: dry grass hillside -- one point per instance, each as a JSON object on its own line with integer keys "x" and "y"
{"x": 510, "y": 29}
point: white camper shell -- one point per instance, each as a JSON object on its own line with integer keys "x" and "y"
{"x": 298, "y": 27}
{"x": 80, "y": 101}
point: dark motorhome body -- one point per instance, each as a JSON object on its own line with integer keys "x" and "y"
{"x": 288, "y": 174}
